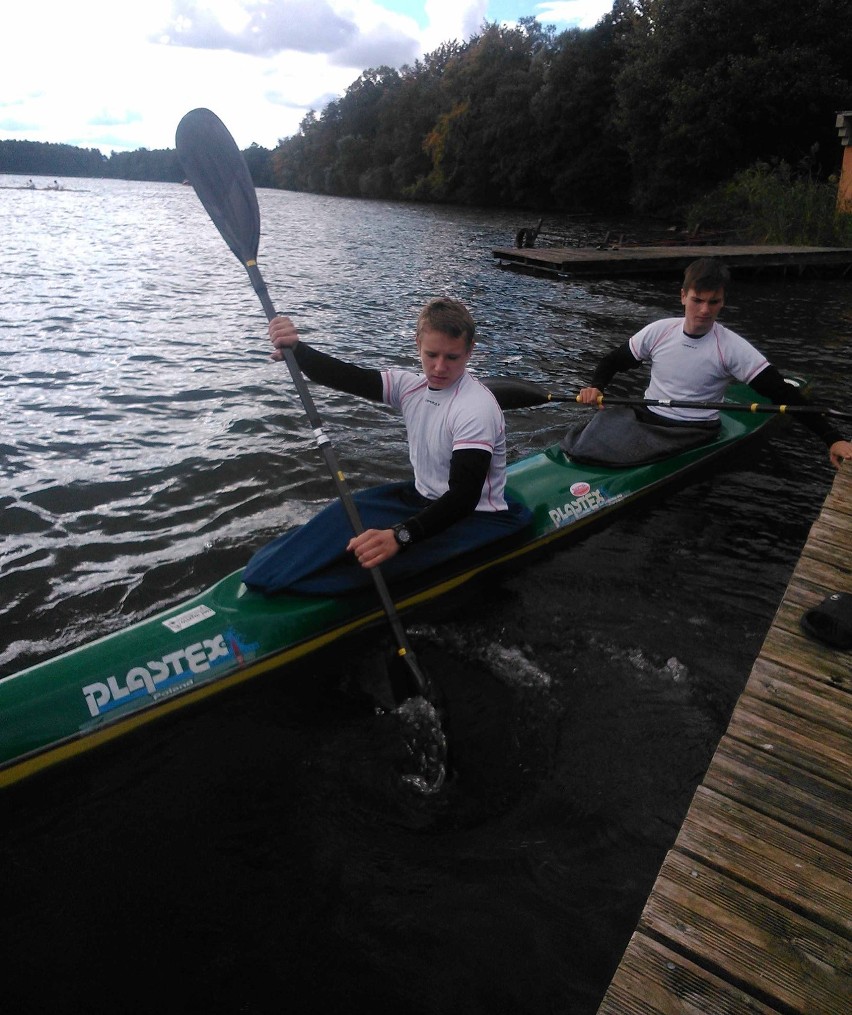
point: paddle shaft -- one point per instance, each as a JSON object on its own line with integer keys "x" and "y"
{"x": 218, "y": 172}
{"x": 518, "y": 393}
{"x": 404, "y": 649}
{"x": 322, "y": 441}
{"x": 727, "y": 406}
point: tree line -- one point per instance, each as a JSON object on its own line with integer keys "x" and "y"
{"x": 651, "y": 108}
{"x": 646, "y": 112}
{"x": 36, "y": 158}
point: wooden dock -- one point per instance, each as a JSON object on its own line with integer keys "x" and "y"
{"x": 616, "y": 261}
{"x": 752, "y": 909}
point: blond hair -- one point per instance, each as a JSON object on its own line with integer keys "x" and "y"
{"x": 448, "y": 316}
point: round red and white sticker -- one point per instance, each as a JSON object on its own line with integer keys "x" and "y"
{"x": 578, "y": 489}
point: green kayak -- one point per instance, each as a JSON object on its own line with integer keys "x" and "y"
{"x": 228, "y": 634}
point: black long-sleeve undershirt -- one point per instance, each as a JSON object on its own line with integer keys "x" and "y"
{"x": 468, "y": 472}
{"x": 769, "y": 383}
{"x": 334, "y": 373}
{"x": 772, "y": 385}
{"x": 614, "y": 362}
{"x": 468, "y": 466}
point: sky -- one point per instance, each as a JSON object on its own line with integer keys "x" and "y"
{"x": 117, "y": 75}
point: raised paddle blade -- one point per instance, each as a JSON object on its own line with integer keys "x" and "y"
{"x": 217, "y": 170}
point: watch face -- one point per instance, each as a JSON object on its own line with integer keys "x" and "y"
{"x": 403, "y": 536}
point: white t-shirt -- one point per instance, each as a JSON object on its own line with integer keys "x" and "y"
{"x": 694, "y": 369}
{"x": 465, "y": 415}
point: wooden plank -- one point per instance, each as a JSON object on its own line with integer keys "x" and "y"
{"x": 838, "y": 496}
{"x": 655, "y": 979}
{"x": 782, "y": 792}
{"x": 800, "y": 694}
{"x": 836, "y": 508}
{"x": 823, "y": 553}
{"x": 739, "y": 935}
{"x": 807, "y": 657}
{"x": 770, "y": 858}
{"x": 828, "y": 528}
{"x": 825, "y": 547}
{"x": 821, "y": 557}
{"x": 809, "y": 743}
{"x": 831, "y": 526}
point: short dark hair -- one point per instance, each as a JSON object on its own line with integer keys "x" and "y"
{"x": 448, "y": 316}
{"x": 705, "y": 274}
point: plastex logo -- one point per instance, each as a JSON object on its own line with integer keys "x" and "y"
{"x": 158, "y": 678}
{"x": 583, "y": 504}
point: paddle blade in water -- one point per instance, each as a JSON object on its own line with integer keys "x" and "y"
{"x": 217, "y": 170}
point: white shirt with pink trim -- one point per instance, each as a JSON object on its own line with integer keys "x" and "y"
{"x": 465, "y": 415}
{"x": 694, "y": 369}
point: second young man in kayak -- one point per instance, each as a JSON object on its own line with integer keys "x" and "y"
{"x": 692, "y": 358}
{"x": 457, "y": 447}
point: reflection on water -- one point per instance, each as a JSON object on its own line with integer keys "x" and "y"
{"x": 149, "y": 445}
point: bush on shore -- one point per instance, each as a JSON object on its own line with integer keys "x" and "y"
{"x": 774, "y": 204}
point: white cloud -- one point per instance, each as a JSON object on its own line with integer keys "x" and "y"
{"x": 582, "y": 13}
{"x": 258, "y": 27}
{"x": 119, "y": 76}
{"x": 451, "y": 20}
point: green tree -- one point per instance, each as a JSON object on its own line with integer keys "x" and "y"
{"x": 161, "y": 165}
{"x": 580, "y": 147}
{"x": 356, "y": 168}
{"x": 489, "y": 144}
{"x": 409, "y": 116}
{"x": 705, "y": 89}
{"x": 259, "y": 161}
{"x": 36, "y": 158}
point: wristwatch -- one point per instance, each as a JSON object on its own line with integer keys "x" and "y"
{"x": 402, "y": 535}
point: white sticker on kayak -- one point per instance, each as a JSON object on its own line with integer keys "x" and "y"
{"x": 184, "y": 620}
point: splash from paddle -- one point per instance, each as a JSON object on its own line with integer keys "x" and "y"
{"x": 215, "y": 167}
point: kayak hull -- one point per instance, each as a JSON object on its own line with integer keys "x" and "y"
{"x": 229, "y": 634}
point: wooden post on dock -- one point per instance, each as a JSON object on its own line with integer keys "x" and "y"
{"x": 844, "y": 187}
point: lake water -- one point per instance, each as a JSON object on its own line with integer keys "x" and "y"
{"x": 257, "y": 854}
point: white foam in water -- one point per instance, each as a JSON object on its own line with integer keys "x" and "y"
{"x": 426, "y": 743}
{"x": 672, "y": 669}
{"x": 513, "y": 666}
{"x": 508, "y": 663}
{"x": 676, "y": 668}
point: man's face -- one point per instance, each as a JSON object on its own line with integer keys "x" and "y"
{"x": 702, "y": 309}
{"x": 442, "y": 357}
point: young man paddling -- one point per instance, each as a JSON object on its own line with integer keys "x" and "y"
{"x": 457, "y": 446}
{"x": 692, "y": 358}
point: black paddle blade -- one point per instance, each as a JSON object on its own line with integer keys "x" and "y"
{"x": 217, "y": 170}
{"x": 516, "y": 393}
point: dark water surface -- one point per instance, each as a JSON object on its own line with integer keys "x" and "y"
{"x": 259, "y": 854}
